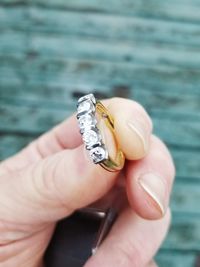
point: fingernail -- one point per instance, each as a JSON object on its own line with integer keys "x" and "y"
{"x": 140, "y": 131}
{"x": 155, "y": 187}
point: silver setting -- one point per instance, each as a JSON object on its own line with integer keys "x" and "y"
{"x": 86, "y": 109}
{"x": 98, "y": 154}
{"x": 87, "y": 97}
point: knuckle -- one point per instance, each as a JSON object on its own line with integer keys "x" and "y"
{"x": 47, "y": 182}
{"x": 56, "y": 182}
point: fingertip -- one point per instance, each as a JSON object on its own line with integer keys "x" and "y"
{"x": 133, "y": 139}
{"x": 133, "y": 127}
{"x": 144, "y": 201}
{"x": 149, "y": 182}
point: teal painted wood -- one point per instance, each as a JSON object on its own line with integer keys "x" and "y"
{"x": 99, "y": 25}
{"x": 47, "y": 45}
{"x": 145, "y": 51}
{"x": 145, "y": 55}
{"x": 177, "y": 259}
{"x": 175, "y": 10}
{"x": 63, "y": 94}
{"x": 65, "y": 72}
{"x": 184, "y": 234}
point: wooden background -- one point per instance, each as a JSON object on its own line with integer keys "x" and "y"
{"x": 52, "y": 51}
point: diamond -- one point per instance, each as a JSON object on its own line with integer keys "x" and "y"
{"x": 98, "y": 154}
{"x": 86, "y": 121}
{"x": 85, "y": 106}
{"x": 87, "y": 97}
{"x": 91, "y": 138}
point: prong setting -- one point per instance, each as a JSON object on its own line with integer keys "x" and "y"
{"x": 91, "y": 135}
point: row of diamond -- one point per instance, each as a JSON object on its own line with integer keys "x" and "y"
{"x": 88, "y": 128}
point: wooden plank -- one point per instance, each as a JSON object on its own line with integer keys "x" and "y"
{"x": 184, "y": 200}
{"x": 13, "y": 43}
{"x": 176, "y": 258}
{"x": 184, "y": 233}
{"x": 60, "y": 72}
{"x": 12, "y": 2}
{"x": 10, "y": 18}
{"x": 187, "y": 163}
{"x": 149, "y": 96}
{"x": 59, "y": 46}
{"x": 163, "y": 99}
{"x": 98, "y": 25}
{"x": 137, "y": 52}
{"x": 11, "y": 71}
{"x": 29, "y": 119}
{"x": 171, "y": 10}
{"x": 176, "y": 131}
{"x": 113, "y": 27}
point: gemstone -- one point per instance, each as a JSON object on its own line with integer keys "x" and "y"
{"x": 98, "y": 154}
{"x": 86, "y": 121}
{"x": 91, "y": 138}
{"x": 85, "y": 106}
{"x": 87, "y": 97}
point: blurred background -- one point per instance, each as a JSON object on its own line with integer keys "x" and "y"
{"x": 53, "y": 51}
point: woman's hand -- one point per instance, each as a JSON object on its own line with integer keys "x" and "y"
{"x": 53, "y": 177}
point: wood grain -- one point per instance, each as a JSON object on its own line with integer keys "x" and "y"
{"x": 183, "y": 10}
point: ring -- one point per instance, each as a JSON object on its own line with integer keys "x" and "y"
{"x": 98, "y": 133}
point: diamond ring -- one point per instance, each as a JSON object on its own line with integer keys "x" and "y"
{"x": 97, "y": 130}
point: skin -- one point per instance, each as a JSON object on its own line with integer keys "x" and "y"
{"x": 38, "y": 188}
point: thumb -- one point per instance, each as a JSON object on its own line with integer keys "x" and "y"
{"x": 53, "y": 188}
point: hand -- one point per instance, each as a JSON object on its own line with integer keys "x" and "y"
{"x": 52, "y": 177}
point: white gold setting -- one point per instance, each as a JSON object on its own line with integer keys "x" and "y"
{"x": 91, "y": 135}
